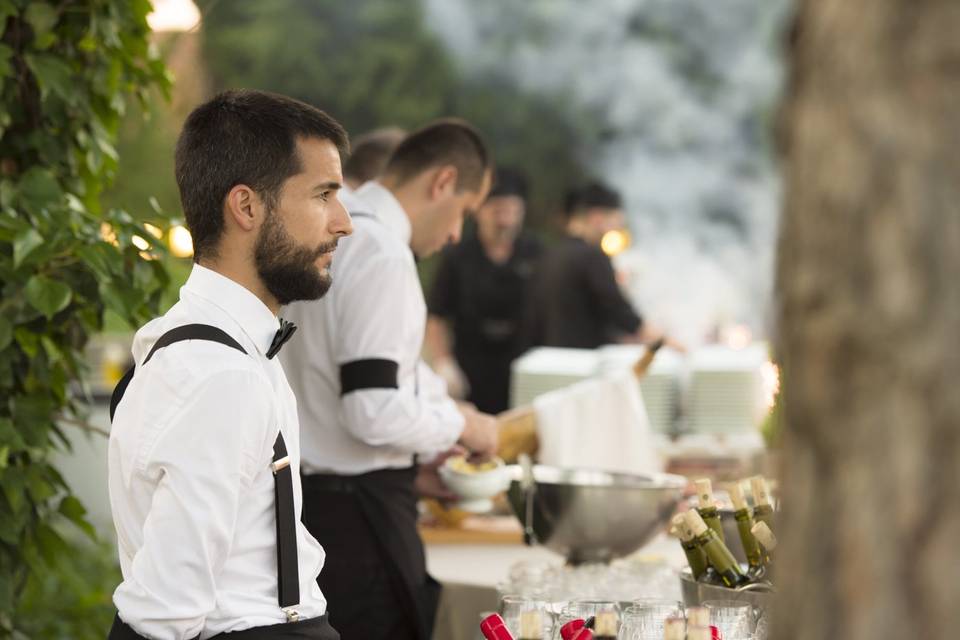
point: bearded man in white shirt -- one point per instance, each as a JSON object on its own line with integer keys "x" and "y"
{"x": 204, "y": 445}
{"x": 371, "y": 410}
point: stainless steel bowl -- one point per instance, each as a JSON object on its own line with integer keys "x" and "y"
{"x": 696, "y": 593}
{"x": 594, "y": 516}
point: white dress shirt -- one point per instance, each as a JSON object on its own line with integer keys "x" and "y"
{"x": 374, "y": 310}
{"x": 191, "y": 488}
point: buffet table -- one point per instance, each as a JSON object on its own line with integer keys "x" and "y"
{"x": 471, "y": 572}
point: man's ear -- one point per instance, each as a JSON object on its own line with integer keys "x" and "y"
{"x": 444, "y": 182}
{"x": 243, "y": 207}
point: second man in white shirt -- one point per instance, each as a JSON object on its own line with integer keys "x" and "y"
{"x": 370, "y": 408}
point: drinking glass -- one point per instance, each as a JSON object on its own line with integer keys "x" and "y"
{"x": 734, "y": 619}
{"x": 583, "y": 609}
{"x": 644, "y": 618}
{"x": 511, "y": 606}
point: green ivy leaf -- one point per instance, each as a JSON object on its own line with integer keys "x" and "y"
{"x": 6, "y": 332}
{"x": 41, "y": 16}
{"x": 25, "y": 242}
{"x": 39, "y": 188}
{"x": 53, "y": 75}
{"x": 75, "y": 512}
{"x": 47, "y": 296}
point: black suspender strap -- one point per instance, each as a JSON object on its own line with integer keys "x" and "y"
{"x": 288, "y": 578}
{"x": 179, "y": 334}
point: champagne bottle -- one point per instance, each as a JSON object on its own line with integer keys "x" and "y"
{"x": 696, "y": 557}
{"x": 717, "y": 552}
{"x": 765, "y": 537}
{"x": 745, "y": 522}
{"x": 531, "y": 626}
{"x": 699, "y": 633}
{"x": 698, "y": 617}
{"x": 674, "y": 629}
{"x": 762, "y": 510}
{"x": 605, "y": 626}
{"x": 708, "y": 507}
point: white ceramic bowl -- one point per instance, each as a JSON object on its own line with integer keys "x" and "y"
{"x": 475, "y": 489}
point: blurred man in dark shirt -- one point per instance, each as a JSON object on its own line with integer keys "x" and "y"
{"x": 576, "y": 301}
{"x": 478, "y": 299}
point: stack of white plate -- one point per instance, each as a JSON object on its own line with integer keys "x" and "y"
{"x": 725, "y": 393}
{"x": 547, "y": 368}
{"x": 660, "y": 386}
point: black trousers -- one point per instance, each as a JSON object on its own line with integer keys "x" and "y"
{"x": 374, "y": 577}
{"x": 311, "y": 629}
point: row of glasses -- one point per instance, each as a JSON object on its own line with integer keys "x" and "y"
{"x": 641, "y": 619}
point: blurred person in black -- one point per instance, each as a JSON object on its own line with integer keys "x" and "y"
{"x": 575, "y": 299}
{"x": 478, "y": 300}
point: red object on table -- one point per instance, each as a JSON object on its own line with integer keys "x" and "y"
{"x": 569, "y": 630}
{"x": 715, "y": 633}
{"x": 493, "y": 628}
{"x": 583, "y": 634}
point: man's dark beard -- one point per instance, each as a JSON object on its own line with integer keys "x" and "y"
{"x": 286, "y": 268}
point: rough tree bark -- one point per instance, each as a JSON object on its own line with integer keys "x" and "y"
{"x": 869, "y": 284}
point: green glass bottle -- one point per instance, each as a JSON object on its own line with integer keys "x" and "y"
{"x": 696, "y": 557}
{"x": 744, "y": 518}
{"x": 762, "y": 510}
{"x": 767, "y": 540}
{"x": 708, "y": 507}
{"x": 717, "y": 552}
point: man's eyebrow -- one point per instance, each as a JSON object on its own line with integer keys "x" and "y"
{"x": 327, "y": 186}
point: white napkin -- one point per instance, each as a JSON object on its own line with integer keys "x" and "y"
{"x": 600, "y": 423}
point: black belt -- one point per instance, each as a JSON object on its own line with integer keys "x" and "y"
{"x": 288, "y": 579}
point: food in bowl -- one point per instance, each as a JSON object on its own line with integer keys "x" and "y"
{"x": 475, "y": 483}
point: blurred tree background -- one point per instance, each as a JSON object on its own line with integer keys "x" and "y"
{"x": 369, "y": 64}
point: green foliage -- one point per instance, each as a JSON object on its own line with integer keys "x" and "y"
{"x": 66, "y": 71}
{"x": 374, "y": 63}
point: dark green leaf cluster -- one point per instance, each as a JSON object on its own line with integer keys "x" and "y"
{"x": 67, "y": 71}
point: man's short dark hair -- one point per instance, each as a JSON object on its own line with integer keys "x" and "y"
{"x": 508, "y": 181}
{"x": 443, "y": 142}
{"x": 593, "y": 195}
{"x": 242, "y": 137}
{"x": 370, "y": 152}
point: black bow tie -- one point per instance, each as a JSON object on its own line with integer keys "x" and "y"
{"x": 284, "y": 333}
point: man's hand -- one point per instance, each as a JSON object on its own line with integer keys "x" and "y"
{"x": 428, "y": 483}
{"x": 481, "y": 433}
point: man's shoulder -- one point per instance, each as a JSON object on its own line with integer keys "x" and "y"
{"x": 370, "y": 240}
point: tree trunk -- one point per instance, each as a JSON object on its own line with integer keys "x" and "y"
{"x": 869, "y": 285}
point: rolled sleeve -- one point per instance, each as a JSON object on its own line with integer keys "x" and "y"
{"x": 415, "y": 415}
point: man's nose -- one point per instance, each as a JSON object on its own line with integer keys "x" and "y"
{"x": 340, "y": 222}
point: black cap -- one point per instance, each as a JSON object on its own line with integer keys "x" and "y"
{"x": 509, "y": 182}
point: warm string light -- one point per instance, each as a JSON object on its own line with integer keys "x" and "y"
{"x": 770, "y": 379}
{"x": 614, "y": 242}
{"x": 181, "y": 242}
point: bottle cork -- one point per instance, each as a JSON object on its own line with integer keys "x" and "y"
{"x": 674, "y": 629}
{"x": 764, "y": 536}
{"x": 759, "y": 487}
{"x": 605, "y": 625}
{"x": 698, "y": 617}
{"x": 699, "y": 633}
{"x": 704, "y": 492}
{"x": 695, "y": 522}
{"x": 737, "y": 497}
{"x": 679, "y": 528}
{"x": 531, "y": 625}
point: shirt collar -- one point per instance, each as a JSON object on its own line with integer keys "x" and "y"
{"x": 386, "y": 208}
{"x": 238, "y": 302}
